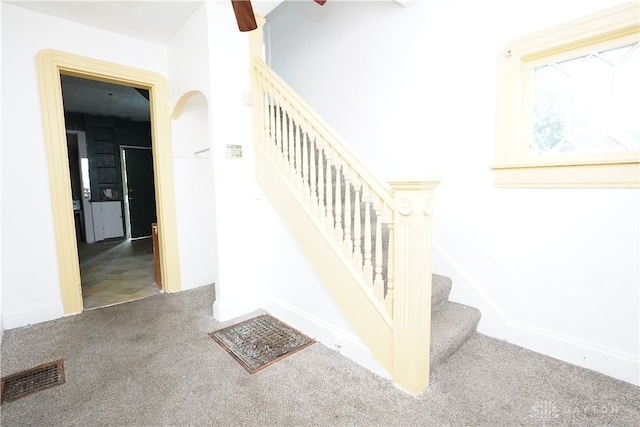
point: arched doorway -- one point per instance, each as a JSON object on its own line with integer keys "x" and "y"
{"x": 195, "y": 191}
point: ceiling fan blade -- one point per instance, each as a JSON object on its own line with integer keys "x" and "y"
{"x": 244, "y": 15}
{"x": 320, "y": 2}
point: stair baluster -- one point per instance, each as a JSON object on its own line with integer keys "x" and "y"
{"x": 313, "y": 178}
{"x": 273, "y": 122}
{"x": 378, "y": 284}
{"x": 263, "y": 100}
{"x": 322, "y": 208}
{"x": 357, "y": 232}
{"x": 281, "y": 150}
{"x": 297, "y": 140}
{"x": 290, "y": 145}
{"x": 338, "y": 206}
{"x": 389, "y": 298}
{"x": 304, "y": 138}
{"x": 367, "y": 269}
{"x": 348, "y": 241}
{"x": 329, "y": 197}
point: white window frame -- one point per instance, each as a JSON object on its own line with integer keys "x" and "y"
{"x": 514, "y": 165}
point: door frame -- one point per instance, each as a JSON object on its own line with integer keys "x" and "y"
{"x": 50, "y": 64}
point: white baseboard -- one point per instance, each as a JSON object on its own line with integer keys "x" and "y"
{"x": 187, "y": 283}
{"x": 32, "y": 316}
{"x": 332, "y": 336}
{"x": 229, "y": 310}
{"x": 444, "y": 264}
{"x": 467, "y": 291}
{"x": 495, "y": 323}
{"x": 611, "y": 362}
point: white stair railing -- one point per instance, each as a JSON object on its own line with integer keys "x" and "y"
{"x": 352, "y": 206}
{"x": 380, "y": 233}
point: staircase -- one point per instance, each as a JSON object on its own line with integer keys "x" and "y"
{"x": 451, "y": 323}
{"x": 368, "y": 241}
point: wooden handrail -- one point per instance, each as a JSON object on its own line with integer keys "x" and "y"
{"x": 322, "y": 128}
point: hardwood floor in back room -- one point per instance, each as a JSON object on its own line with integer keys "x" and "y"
{"x": 116, "y": 271}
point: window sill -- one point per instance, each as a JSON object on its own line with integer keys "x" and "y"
{"x": 593, "y": 175}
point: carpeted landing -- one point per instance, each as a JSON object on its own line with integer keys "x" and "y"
{"x": 151, "y": 362}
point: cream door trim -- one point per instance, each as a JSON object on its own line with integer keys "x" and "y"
{"x": 51, "y": 64}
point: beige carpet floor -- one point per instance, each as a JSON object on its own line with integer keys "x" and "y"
{"x": 150, "y": 362}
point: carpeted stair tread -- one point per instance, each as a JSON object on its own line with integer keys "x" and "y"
{"x": 451, "y": 325}
{"x": 440, "y": 289}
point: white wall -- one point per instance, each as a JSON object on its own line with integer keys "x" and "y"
{"x": 242, "y": 252}
{"x": 413, "y": 90}
{"x": 295, "y": 295}
{"x": 1, "y": 202}
{"x": 30, "y": 280}
{"x": 194, "y": 184}
{"x": 221, "y": 228}
{"x": 260, "y": 265}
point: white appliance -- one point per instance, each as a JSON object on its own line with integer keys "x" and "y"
{"x": 107, "y": 220}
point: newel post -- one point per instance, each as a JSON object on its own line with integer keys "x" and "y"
{"x": 412, "y": 294}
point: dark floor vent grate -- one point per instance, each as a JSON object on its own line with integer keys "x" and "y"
{"x": 42, "y": 377}
{"x": 261, "y": 341}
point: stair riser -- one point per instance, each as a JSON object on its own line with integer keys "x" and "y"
{"x": 440, "y": 290}
{"x": 451, "y": 323}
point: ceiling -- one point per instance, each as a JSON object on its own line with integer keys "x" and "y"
{"x": 155, "y": 21}
{"x": 103, "y": 99}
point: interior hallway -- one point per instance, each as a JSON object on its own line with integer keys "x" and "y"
{"x": 117, "y": 271}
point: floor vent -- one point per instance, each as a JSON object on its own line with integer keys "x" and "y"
{"x": 42, "y": 377}
{"x": 259, "y": 342}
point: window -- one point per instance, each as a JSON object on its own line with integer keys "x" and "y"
{"x": 569, "y": 104}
